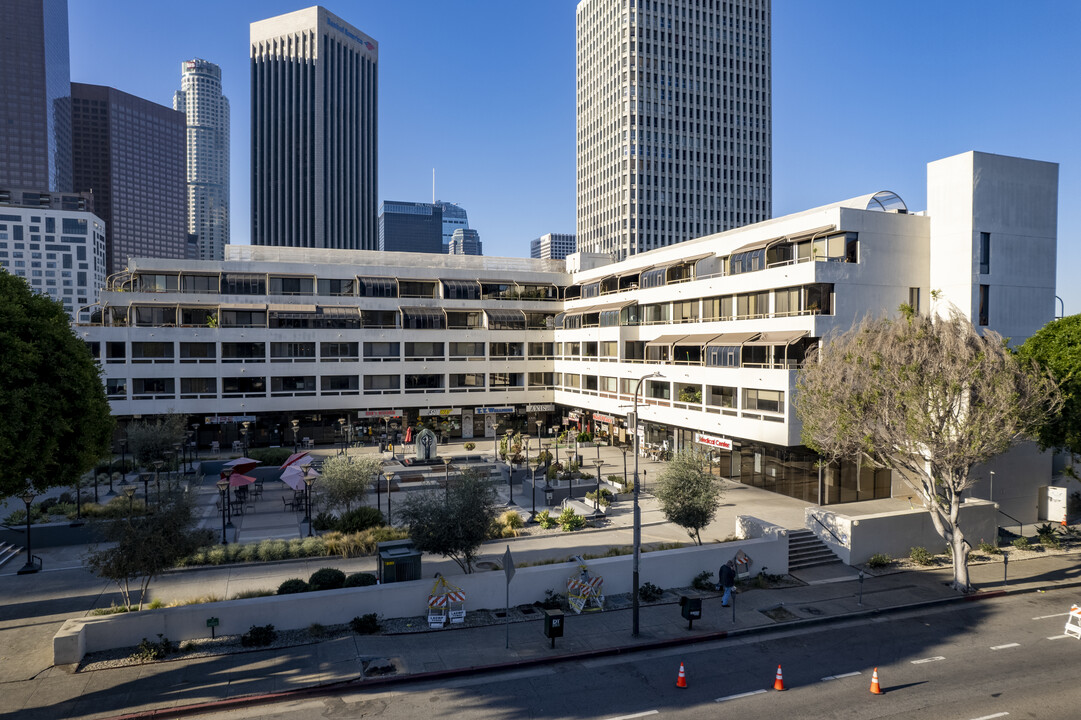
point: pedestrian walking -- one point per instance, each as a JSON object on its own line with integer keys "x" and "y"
{"x": 727, "y": 576}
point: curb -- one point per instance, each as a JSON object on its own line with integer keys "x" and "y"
{"x": 360, "y": 682}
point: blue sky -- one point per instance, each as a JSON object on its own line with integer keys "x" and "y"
{"x": 864, "y": 95}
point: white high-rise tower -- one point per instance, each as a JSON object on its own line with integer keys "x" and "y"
{"x": 674, "y": 121}
{"x": 207, "y": 110}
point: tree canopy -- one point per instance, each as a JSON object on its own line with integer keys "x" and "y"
{"x": 1057, "y": 347}
{"x": 688, "y": 493}
{"x": 150, "y": 440}
{"x": 54, "y": 418}
{"x": 929, "y": 398}
{"x": 455, "y": 523}
{"x": 345, "y": 481}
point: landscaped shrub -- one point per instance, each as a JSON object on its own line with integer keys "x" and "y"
{"x": 570, "y": 521}
{"x": 292, "y": 586}
{"x": 1047, "y": 536}
{"x": 648, "y": 592}
{"x": 703, "y": 581}
{"x": 259, "y": 636}
{"x": 317, "y": 630}
{"x": 470, "y": 446}
{"x": 360, "y": 519}
{"x": 270, "y": 456}
{"x": 365, "y": 624}
{"x": 878, "y": 560}
{"x": 360, "y": 579}
{"x": 148, "y": 651}
{"x": 326, "y": 579}
{"x": 324, "y": 521}
{"x": 546, "y": 520}
{"x": 606, "y": 496}
{"x": 921, "y": 556}
{"x": 989, "y": 548}
{"x": 1021, "y": 543}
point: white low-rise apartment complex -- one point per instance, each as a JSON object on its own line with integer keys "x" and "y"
{"x": 279, "y": 334}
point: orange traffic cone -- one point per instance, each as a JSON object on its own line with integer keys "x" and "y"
{"x": 681, "y": 681}
{"x": 778, "y": 684}
{"x": 875, "y": 688}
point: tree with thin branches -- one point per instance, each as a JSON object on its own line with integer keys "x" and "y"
{"x": 926, "y": 396}
{"x": 688, "y": 492}
{"x": 452, "y": 523}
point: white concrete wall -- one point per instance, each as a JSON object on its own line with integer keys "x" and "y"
{"x": 666, "y": 568}
{"x": 896, "y": 533}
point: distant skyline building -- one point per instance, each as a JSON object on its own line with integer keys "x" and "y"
{"x": 56, "y": 244}
{"x": 552, "y": 246}
{"x": 674, "y": 121}
{"x": 35, "y": 96}
{"x": 130, "y": 153}
{"x": 454, "y": 217}
{"x": 465, "y": 242}
{"x": 207, "y": 112}
{"x": 410, "y": 227}
{"x": 314, "y": 140}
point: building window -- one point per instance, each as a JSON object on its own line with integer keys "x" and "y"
{"x": 764, "y": 400}
{"x": 984, "y": 304}
{"x": 985, "y": 253}
{"x": 914, "y": 299}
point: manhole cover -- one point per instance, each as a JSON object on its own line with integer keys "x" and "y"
{"x": 779, "y": 614}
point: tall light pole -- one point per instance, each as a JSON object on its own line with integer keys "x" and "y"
{"x": 296, "y": 429}
{"x": 446, "y": 481}
{"x": 30, "y": 566}
{"x": 623, "y": 448}
{"x": 991, "y": 491}
{"x": 309, "y": 478}
{"x": 389, "y": 475}
{"x": 223, "y": 490}
{"x": 536, "y": 462}
{"x": 540, "y": 429}
{"x": 637, "y": 512}
{"x": 597, "y": 498}
{"x": 195, "y": 441}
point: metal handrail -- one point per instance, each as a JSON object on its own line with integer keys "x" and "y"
{"x": 1020, "y": 525}
{"x": 839, "y": 541}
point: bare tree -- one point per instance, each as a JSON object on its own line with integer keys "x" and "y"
{"x": 927, "y": 397}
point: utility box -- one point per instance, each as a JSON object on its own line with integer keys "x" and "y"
{"x": 1053, "y": 504}
{"x": 691, "y": 609}
{"x": 399, "y": 561}
{"x": 553, "y": 625}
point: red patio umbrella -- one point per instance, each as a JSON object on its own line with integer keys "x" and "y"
{"x": 237, "y": 480}
{"x": 241, "y": 465}
{"x": 294, "y": 458}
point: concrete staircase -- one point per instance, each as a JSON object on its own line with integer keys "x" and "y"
{"x": 8, "y": 551}
{"x": 806, "y": 550}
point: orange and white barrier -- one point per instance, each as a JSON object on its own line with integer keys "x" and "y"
{"x": 1073, "y": 622}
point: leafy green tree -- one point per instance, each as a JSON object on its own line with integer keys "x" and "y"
{"x": 688, "y": 493}
{"x": 453, "y": 524}
{"x": 1057, "y": 347}
{"x": 54, "y": 418}
{"x": 140, "y": 548}
{"x": 345, "y": 481}
{"x": 150, "y": 440}
{"x": 925, "y": 396}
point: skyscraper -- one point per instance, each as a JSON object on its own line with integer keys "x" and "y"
{"x": 129, "y": 152}
{"x": 465, "y": 241}
{"x": 410, "y": 227}
{"x": 674, "y": 121}
{"x": 454, "y": 217}
{"x": 313, "y": 132}
{"x": 207, "y": 112}
{"x": 35, "y": 88}
{"x": 552, "y": 246}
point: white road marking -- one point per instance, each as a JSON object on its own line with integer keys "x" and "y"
{"x": 1058, "y": 637}
{"x": 636, "y": 715}
{"x": 1044, "y": 617}
{"x": 1007, "y": 645}
{"x": 927, "y": 660}
{"x": 991, "y": 717}
{"x": 838, "y": 677}
{"x": 741, "y": 695}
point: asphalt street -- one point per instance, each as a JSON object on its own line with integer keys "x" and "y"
{"x": 1004, "y": 658}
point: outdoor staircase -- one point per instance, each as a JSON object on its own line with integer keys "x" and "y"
{"x": 806, "y": 550}
{"x": 8, "y": 551}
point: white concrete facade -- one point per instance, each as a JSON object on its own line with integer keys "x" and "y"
{"x": 726, "y": 320}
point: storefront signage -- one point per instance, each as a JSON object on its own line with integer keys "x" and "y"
{"x": 540, "y": 408}
{"x": 597, "y": 417}
{"x": 442, "y": 412}
{"x": 494, "y": 410}
{"x": 223, "y": 419}
{"x": 574, "y": 416}
{"x": 379, "y": 413}
{"x": 712, "y": 441}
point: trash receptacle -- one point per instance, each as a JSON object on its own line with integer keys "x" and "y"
{"x": 691, "y": 609}
{"x": 553, "y": 625}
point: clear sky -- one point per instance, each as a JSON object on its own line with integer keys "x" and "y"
{"x": 864, "y": 96}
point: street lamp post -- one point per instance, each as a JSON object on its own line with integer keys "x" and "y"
{"x": 30, "y": 566}
{"x": 157, "y": 478}
{"x": 309, "y": 478}
{"x": 623, "y": 448}
{"x": 195, "y": 441}
{"x": 296, "y": 430}
{"x": 123, "y": 458}
{"x": 129, "y": 493}
{"x": 446, "y": 482}
{"x": 991, "y": 490}
{"x": 228, "y": 475}
{"x": 637, "y": 513}
{"x": 223, "y": 490}
{"x": 389, "y": 476}
{"x": 244, "y": 439}
{"x": 597, "y": 499}
{"x": 540, "y": 430}
{"x": 341, "y": 431}
{"x": 378, "y": 487}
{"x": 536, "y": 463}
{"x": 146, "y": 489}
{"x": 547, "y": 464}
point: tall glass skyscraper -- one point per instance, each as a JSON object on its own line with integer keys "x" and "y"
{"x": 313, "y": 132}
{"x": 674, "y": 121}
{"x": 207, "y": 111}
{"x": 454, "y": 217}
{"x": 35, "y": 87}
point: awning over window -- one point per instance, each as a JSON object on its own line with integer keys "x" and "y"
{"x": 601, "y": 308}
{"x": 666, "y": 340}
{"x": 691, "y": 259}
{"x": 243, "y": 306}
{"x": 700, "y": 339}
{"x": 466, "y": 285}
{"x": 385, "y": 286}
{"x": 781, "y": 337}
{"x": 802, "y": 235}
{"x": 416, "y": 313}
{"x": 289, "y": 307}
{"x": 340, "y": 311}
{"x": 505, "y": 316}
{"x": 732, "y": 339}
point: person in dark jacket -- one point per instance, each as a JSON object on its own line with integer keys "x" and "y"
{"x": 727, "y": 576}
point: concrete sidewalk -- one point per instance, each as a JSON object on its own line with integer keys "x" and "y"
{"x": 352, "y": 662}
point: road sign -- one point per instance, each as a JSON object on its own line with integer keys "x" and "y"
{"x": 508, "y": 565}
